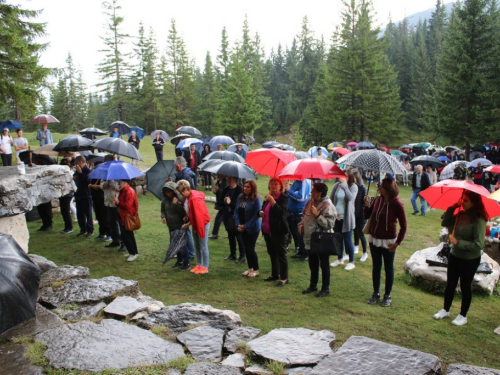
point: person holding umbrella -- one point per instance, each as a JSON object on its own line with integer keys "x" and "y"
{"x": 241, "y": 151}
{"x": 158, "y": 143}
{"x": 229, "y": 198}
{"x": 207, "y": 176}
{"x": 467, "y": 228}
{"x": 419, "y": 183}
{"x": 44, "y": 135}
{"x": 83, "y": 198}
{"x": 116, "y": 134}
{"x": 193, "y": 159}
{"x": 134, "y": 141}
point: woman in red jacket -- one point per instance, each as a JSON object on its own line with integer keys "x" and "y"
{"x": 385, "y": 211}
{"x": 127, "y": 203}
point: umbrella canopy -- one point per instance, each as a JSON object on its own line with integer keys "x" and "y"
{"x": 408, "y": 147}
{"x": 43, "y": 119}
{"x": 364, "y": 145}
{"x": 446, "y": 193}
{"x": 19, "y": 278}
{"x": 426, "y": 160}
{"x": 335, "y": 144}
{"x": 439, "y": 153}
{"x": 352, "y": 144}
{"x": 122, "y": 127}
{"x": 48, "y": 149}
{"x": 157, "y": 175}
{"x": 475, "y": 162}
{"x": 449, "y": 170}
{"x": 443, "y": 159}
{"x": 10, "y": 124}
{"x": 92, "y": 131}
{"x": 475, "y": 154}
{"x": 163, "y": 135}
{"x": 341, "y": 151}
{"x": 220, "y": 139}
{"x": 96, "y": 158}
{"x": 301, "y": 155}
{"x": 115, "y": 170}
{"x": 178, "y": 239}
{"x": 373, "y": 160}
{"x": 233, "y": 147}
{"x": 284, "y": 147}
{"x": 185, "y": 143}
{"x": 118, "y": 146}
{"x": 74, "y": 143}
{"x": 451, "y": 148}
{"x": 179, "y": 137}
{"x": 423, "y": 144}
{"x": 269, "y": 162}
{"x": 313, "y": 151}
{"x": 493, "y": 169}
{"x": 224, "y": 155}
{"x": 397, "y": 152}
{"x": 311, "y": 168}
{"x": 208, "y": 164}
{"x": 191, "y": 130}
{"x": 269, "y": 144}
{"x": 230, "y": 168}
{"x": 138, "y": 131}
{"x": 36, "y": 159}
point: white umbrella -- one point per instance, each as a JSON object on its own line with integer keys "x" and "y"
{"x": 449, "y": 170}
{"x": 475, "y": 162}
{"x": 373, "y": 160}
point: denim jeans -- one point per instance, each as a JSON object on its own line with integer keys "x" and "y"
{"x": 346, "y": 240}
{"x": 201, "y": 247}
{"x": 413, "y": 200}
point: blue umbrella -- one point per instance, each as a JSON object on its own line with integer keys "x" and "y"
{"x": 313, "y": 151}
{"x": 443, "y": 158}
{"x": 233, "y": 147}
{"x": 11, "y": 124}
{"x": 138, "y": 131}
{"x": 115, "y": 170}
{"x": 269, "y": 144}
{"x": 220, "y": 139}
{"x": 163, "y": 135}
{"x": 188, "y": 142}
{"x": 364, "y": 145}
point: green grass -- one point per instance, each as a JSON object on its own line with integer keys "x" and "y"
{"x": 408, "y": 322}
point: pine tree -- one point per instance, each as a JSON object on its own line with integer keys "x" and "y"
{"x": 207, "y": 113}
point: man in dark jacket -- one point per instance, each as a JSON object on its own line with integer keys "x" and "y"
{"x": 420, "y": 182}
{"x": 193, "y": 159}
{"x": 158, "y": 143}
{"x": 83, "y": 199}
{"x": 183, "y": 172}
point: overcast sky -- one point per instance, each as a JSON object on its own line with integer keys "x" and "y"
{"x": 76, "y": 26}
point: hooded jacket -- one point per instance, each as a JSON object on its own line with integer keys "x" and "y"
{"x": 350, "y": 195}
{"x": 384, "y": 217}
{"x": 188, "y": 175}
{"x": 173, "y": 213}
{"x": 198, "y": 212}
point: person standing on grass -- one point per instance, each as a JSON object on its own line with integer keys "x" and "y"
{"x": 207, "y": 176}
{"x": 359, "y": 205}
{"x": 419, "y": 183}
{"x": 158, "y": 143}
{"x": 197, "y": 216}
{"x": 298, "y": 194}
{"x": 384, "y": 211}
{"x": 134, "y": 141}
{"x": 229, "y": 197}
{"x": 193, "y": 159}
{"x": 6, "y": 142}
{"x": 466, "y": 228}
{"x": 219, "y": 187}
{"x": 20, "y": 143}
{"x": 44, "y": 136}
{"x": 83, "y": 199}
{"x": 127, "y": 204}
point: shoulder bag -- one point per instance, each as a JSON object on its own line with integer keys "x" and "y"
{"x": 326, "y": 243}
{"x": 366, "y": 228}
{"x": 132, "y": 222}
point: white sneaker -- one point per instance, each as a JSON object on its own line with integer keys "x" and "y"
{"x": 350, "y": 266}
{"x": 346, "y": 257}
{"x": 363, "y": 257}
{"x": 127, "y": 255}
{"x": 459, "y": 320}
{"x": 442, "y": 314}
{"x": 356, "y": 249}
{"x": 497, "y": 331}
{"x": 338, "y": 262}
{"x": 132, "y": 258}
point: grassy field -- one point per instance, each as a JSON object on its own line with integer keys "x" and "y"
{"x": 407, "y": 322}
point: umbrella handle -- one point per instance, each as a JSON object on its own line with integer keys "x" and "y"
{"x": 456, "y": 219}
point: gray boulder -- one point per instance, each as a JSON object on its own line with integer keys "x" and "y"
{"x": 63, "y": 273}
{"x": 151, "y": 303}
{"x": 204, "y": 368}
{"x": 84, "y": 312}
{"x": 257, "y": 369}
{"x": 179, "y": 317}
{"x": 109, "y": 344}
{"x": 124, "y": 307}
{"x": 87, "y": 291}
{"x": 204, "y": 343}
{"x": 462, "y": 369}
{"x": 294, "y": 346}
{"x": 43, "y": 320}
{"x": 43, "y": 263}
{"x": 239, "y": 336}
{"x": 235, "y": 360}
{"x": 362, "y": 355}
{"x": 13, "y": 361}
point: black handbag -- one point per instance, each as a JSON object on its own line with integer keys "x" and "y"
{"x": 326, "y": 243}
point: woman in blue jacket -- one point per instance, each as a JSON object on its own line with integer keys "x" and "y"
{"x": 247, "y": 220}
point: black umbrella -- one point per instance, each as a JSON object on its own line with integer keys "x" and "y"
{"x": 178, "y": 138}
{"x": 426, "y": 160}
{"x": 284, "y": 147}
{"x": 122, "y": 127}
{"x": 96, "y": 158}
{"x": 118, "y": 146}
{"x": 178, "y": 239}
{"x": 74, "y": 143}
{"x": 232, "y": 168}
{"x": 19, "y": 281}
{"x": 188, "y": 130}
{"x": 224, "y": 155}
{"x": 92, "y": 131}
{"x": 207, "y": 164}
{"x": 269, "y": 144}
{"x": 158, "y": 174}
{"x": 36, "y": 159}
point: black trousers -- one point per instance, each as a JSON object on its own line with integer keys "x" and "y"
{"x": 159, "y": 155}
{"x": 217, "y": 222}
{"x": 113, "y": 222}
{"x": 64, "y": 206}
{"x": 250, "y": 239}
{"x": 128, "y": 239}
{"x": 233, "y": 238}
{"x": 45, "y": 212}
{"x": 463, "y": 269}
{"x": 207, "y": 178}
{"x": 7, "y": 160}
{"x": 100, "y": 214}
{"x": 315, "y": 263}
{"x": 84, "y": 214}
{"x": 358, "y": 233}
{"x": 276, "y": 248}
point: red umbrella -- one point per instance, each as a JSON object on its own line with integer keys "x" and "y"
{"x": 352, "y": 144}
{"x": 269, "y": 161}
{"x": 341, "y": 150}
{"x": 448, "y": 192}
{"x": 493, "y": 169}
{"x": 311, "y": 168}
{"x": 42, "y": 119}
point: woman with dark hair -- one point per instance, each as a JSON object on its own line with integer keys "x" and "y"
{"x": 466, "y": 227}
{"x": 343, "y": 195}
{"x": 229, "y": 197}
{"x": 319, "y": 214}
{"x": 248, "y": 224}
{"x": 385, "y": 211}
{"x": 207, "y": 176}
{"x": 274, "y": 215}
{"x": 359, "y": 205}
{"x": 127, "y": 203}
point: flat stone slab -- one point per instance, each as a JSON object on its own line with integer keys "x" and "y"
{"x": 205, "y": 368}
{"x": 239, "y": 336}
{"x": 294, "y": 346}
{"x": 43, "y": 320}
{"x": 362, "y": 355}
{"x": 63, "y": 273}
{"x": 109, "y": 344}
{"x": 235, "y": 360}
{"x": 463, "y": 369}
{"x": 43, "y": 263}
{"x": 151, "y": 303}
{"x": 87, "y": 291}
{"x": 124, "y": 306}
{"x": 257, "y": 369}
{"x": 84, "y": 312}
{"x": 13, "y": 361}
{"x": 179, "y": 317}
{"x": 204, "y": 343}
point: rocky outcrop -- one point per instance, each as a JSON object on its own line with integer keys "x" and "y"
{"x": 43, "y": 263}
{"x": 204, "y": 343}
{"x": 204, "y": 368}
{"x": 13, "y": 360}
{"x": 461, "y": 369}
{"x": 124, "y": 307}
{"x": 63, "y": 273}
{"x": 43, "y": 320}
{"x": 239, "y": 336}
{"x": 83, "y": 312}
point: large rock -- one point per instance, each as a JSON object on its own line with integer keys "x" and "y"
{"x": 204, "y": 368}
{"x": 362, "y": 355}
{"x": 13, "y": 361}
{"x": 179, "y": 317}
{"x": 151, "y": 303}
{"x": 17, "y": 228}
{"x": 87, "y": 291}
{"x": 43, "y": 263}
{"x": 428, "y": 275}
{"x": 84, "y": 312}
{"x": 294, "y": 346}
{"x": 239, "y": 336}
{"x": 462, "y": 369}
{"x": 204, "y": 343}
{"x": 63, "y": 273}
{"x": 124, "y": 307}
{"x": 43, "y": 320}
{"x": 109, "y": 344}
{"x": 235, "y": 360}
